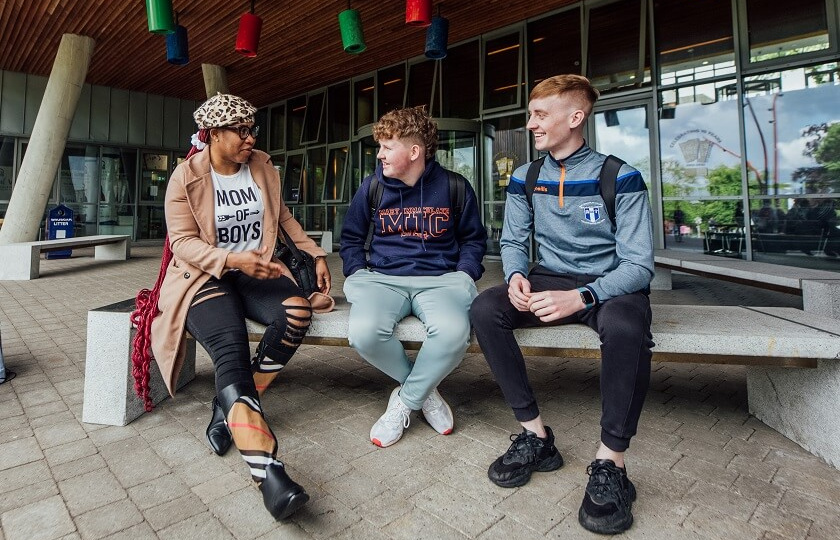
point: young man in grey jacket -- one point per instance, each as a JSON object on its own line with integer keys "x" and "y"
{"x": 589, "y": 271}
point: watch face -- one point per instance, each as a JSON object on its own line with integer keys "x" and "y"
{"x": 587, "y": 297}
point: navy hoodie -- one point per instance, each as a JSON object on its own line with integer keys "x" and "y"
{"x": 413, "y": 229}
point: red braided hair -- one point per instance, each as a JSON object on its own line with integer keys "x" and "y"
{"x": 145, "y": 310}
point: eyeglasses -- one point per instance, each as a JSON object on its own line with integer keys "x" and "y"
{"x": 244, "y": 131}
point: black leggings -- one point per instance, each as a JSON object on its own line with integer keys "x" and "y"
{"x": 216, "y": 319}
{"x": 622, "y": 323}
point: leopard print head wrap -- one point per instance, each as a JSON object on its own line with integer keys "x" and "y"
{"x": 224, "y": 110}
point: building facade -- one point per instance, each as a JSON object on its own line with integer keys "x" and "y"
{"x": 730, "y": 108}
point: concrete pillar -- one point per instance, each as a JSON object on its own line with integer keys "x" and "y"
{"x": 49, "y": 137}
{"x": 215, "y": 79}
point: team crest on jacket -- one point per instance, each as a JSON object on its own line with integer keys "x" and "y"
{"x": 593, "y": 213}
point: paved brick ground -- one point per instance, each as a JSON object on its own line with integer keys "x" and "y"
{"x": 703, "y": 466}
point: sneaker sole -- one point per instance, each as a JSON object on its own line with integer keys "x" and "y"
{"x": 551, "y": 464}
{"x": 378, "y": 443}
{"x": 603, "y": 526}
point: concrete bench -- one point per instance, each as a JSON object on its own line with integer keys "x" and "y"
{"x": 772, "y": 342}
{"x": 22, "y": 260}
{"x": 324, "y": 237}
{"x": 819, "y": 289}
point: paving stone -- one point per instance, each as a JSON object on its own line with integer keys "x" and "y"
{"x": 70, "y": 451}
{"x": 421, "y": 525}
{"x": 45, "y": 519}
{"x": 102, "y": 436}
{"x": 243, "y": 513}
{"x": 780, "y": 522}
{"x": 204, "y": 469}
{"x": 57, "y": 434}
{"x": 220, "y": 486}
{"x": 23, "y": 476}
{"x": 713, "y": 524}
{"x": 325, "y": 517}
{"x": 354, "y": 488}
{"x": 18, "y": 452}
{"x": 27, "y": 495}
{"x": 45, "y": 409}
{"x": 538, "y": 514}
{"x": 361, "y": 529}
{"x": 384, "y": 508}
{"x": 141, "y": 531}
{"x": 824, "y": 486}
{"x": 78, "y": 467}
{"x": 707, "y": 452}
{"x": 40, "y": 394}
{"x": 201, "y": 526}
{"x": 288, "y": 530}
{"x": 171, "y": 512}
{"x": 179, "y": 448}
{"x": 91, "y": 490}
{"x": 460, "y": 512}
{"x": 108, "y": 519}
{"x": 721, "y": 500}
{"x": 61, "y": 417}
{"x": 137, "y": 467}
{"x": 158, "y": 491}
{"x": 758, "y": 490}
{"x": 696, "y": 468}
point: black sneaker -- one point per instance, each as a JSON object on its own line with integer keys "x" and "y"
{"x": 608, "y": 499}
{"x": 528, "y": 453}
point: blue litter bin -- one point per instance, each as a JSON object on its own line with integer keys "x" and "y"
{"x": 60, "y": 224}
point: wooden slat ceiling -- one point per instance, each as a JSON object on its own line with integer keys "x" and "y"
{"x": 299, "y": 50}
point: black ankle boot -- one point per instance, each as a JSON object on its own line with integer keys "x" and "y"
{"x": 281, "y": 495}
{"x": 218, "y": 434}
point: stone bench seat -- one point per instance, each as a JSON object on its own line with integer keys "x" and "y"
{"x": 22, "y": 260}
{"x": 793, "y": 374}
{"x": 325, "y": 238}
{"x": 819, "y": 289}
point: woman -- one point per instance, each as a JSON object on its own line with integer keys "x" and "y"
{"x": 223, "y": 215}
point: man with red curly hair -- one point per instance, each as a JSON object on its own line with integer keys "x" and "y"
{"x": 422, "y": 260}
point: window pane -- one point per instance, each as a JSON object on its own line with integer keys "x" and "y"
{"x": 778, "y": 29}
{"x": 420, "y": 79}
{"x": 118, "y": 174}
{"x": 312, "y": 182}
{"x": 7, "y": 157}
{"x": 614, "y": 46}
{"x": 700, "y": 143}
{"x": 291, "y": 181}
{"x": 460, "y": 81}
{"x": 363, "y": 91}
{"x": 277, "y": 127}
{"x": 338, "y": 112}
{"x": 793, "y": 131}
{"x": 261, "y": 119}
{"x": 625, "y": 132}
{"x": 800, "y": 231}
{"x": 391, "y": 83}
{"x": 313, "y": 120}
{"x": 693, "y": 40}
{"x": 506, "y": 148}
{"x": 294, "y": 121}
{"x": 554, "y": 46}
{"x": 502, "y": 69}
{"x": 336, "y": 174}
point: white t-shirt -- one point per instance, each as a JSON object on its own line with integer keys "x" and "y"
{"x": 239, "y": 211}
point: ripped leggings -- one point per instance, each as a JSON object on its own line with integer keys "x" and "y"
{"x": 216, "y": 319}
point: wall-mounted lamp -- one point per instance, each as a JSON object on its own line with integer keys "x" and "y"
{"x": 248, "y": 37}
{"x": 177, "y": 46}
{"x": 418, "y": 12}
{"x": 352, "y": 36}
{"x": 159, "y": 14}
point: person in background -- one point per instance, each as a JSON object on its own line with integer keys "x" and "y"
{"x": 223, "y": 215}
{"x": 590, "y": 272}
{"x": 423, "y": 260}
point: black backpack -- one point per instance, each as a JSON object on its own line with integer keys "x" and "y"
{"x": 606, "y": 182}
{"x": 457, "y": 193}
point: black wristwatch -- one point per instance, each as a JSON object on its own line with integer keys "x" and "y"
{"x": 587, "y": 297}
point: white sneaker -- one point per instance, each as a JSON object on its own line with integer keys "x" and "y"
{"x": 438, "y": 414}
{"x": 389, "y": 428}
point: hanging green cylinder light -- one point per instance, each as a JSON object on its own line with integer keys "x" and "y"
{"x": 159, "y": 14}
{"x": 352, "y": 37}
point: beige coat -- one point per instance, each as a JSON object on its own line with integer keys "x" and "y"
{"x": 190, "y": 220}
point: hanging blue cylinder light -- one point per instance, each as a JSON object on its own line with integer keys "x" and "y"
{"x": 437, "y": 36}
{"x": 177, "y": 47}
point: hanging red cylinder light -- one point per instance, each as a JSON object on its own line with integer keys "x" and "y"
{"x": 418, "y": 12}
{"x": 248, "y": 37}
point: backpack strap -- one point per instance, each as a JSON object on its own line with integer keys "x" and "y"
{"x": 531, "y": 180}
{"x": 457, "y": 195}
{"x": 374, "y": 197}
{"x": 606, "y": 183}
